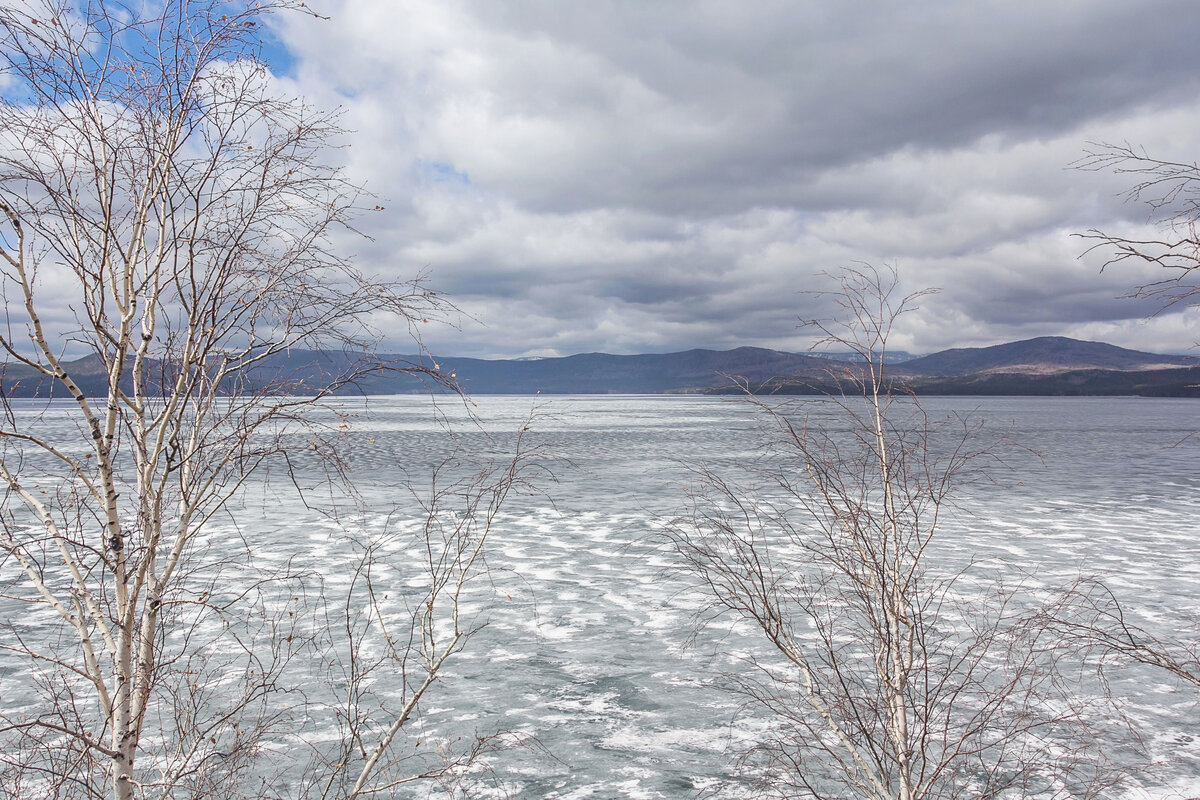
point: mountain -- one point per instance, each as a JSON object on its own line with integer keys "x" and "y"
{"x": 1046, "y": 366}
{"x": 1042, "y": 356}
{"x": 601, "y": 373}
{"x": 18, "y": 380}
{"x": 1174, "y": 382}
{"x": 588, "y": 373}
{"x": 1051, "y": 365}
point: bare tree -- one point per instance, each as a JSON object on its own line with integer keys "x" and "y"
{"x": 1170, "y": 191}
{"x": 165, "y": 240}
{"x": 887, "y": 673}
{"x": 389, "y": 645}
{"x": 1092, "y": 617}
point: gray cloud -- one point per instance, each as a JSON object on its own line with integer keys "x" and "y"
{"x": 657, "y": 176}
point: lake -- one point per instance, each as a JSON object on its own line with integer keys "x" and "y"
{"x": 591, "y": 653}
{"x": 590, "y": 645}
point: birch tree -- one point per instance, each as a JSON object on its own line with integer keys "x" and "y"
{"x": 884, "y": 673}
{"x": 1093, "y": 616}
{"x": 390, "y": 645}
{"x": 166, "y": 227}
{"x": 1170, "y": 193}
{"x": 1092, "y": 619}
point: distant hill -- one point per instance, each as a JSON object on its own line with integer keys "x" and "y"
{"x": 1046, "y": 366}
{"x": 601, "y": 373}
{"x": 19, "y": 380}
{"x": 1044, "y": 355}
{"x": 1175, "y": 382}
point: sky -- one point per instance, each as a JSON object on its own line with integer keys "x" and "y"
{"x": 652, "y": 176}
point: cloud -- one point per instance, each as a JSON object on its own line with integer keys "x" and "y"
{"x": 640, "y": 177}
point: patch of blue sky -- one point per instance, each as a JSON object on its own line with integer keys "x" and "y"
{"x": 273, "y": 52}
{"x": 440, "y": 172}
{"x": 136, "y": 40}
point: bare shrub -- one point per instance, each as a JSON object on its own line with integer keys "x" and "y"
{"x": 885, "y": 675}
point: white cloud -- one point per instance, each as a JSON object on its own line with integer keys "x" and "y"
{"x": 640, "y": 177}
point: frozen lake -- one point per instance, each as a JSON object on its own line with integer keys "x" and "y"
{"x": 589, "y": 647}
{"x": 590, "y": 650}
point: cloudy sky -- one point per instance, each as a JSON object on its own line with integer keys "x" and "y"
{"x": 657, "y": 175}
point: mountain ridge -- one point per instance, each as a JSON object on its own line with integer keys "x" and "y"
{"x": 1043, "y": 366}
{"x": 1041, "y": 355}
{"x": 701, "y": 370}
